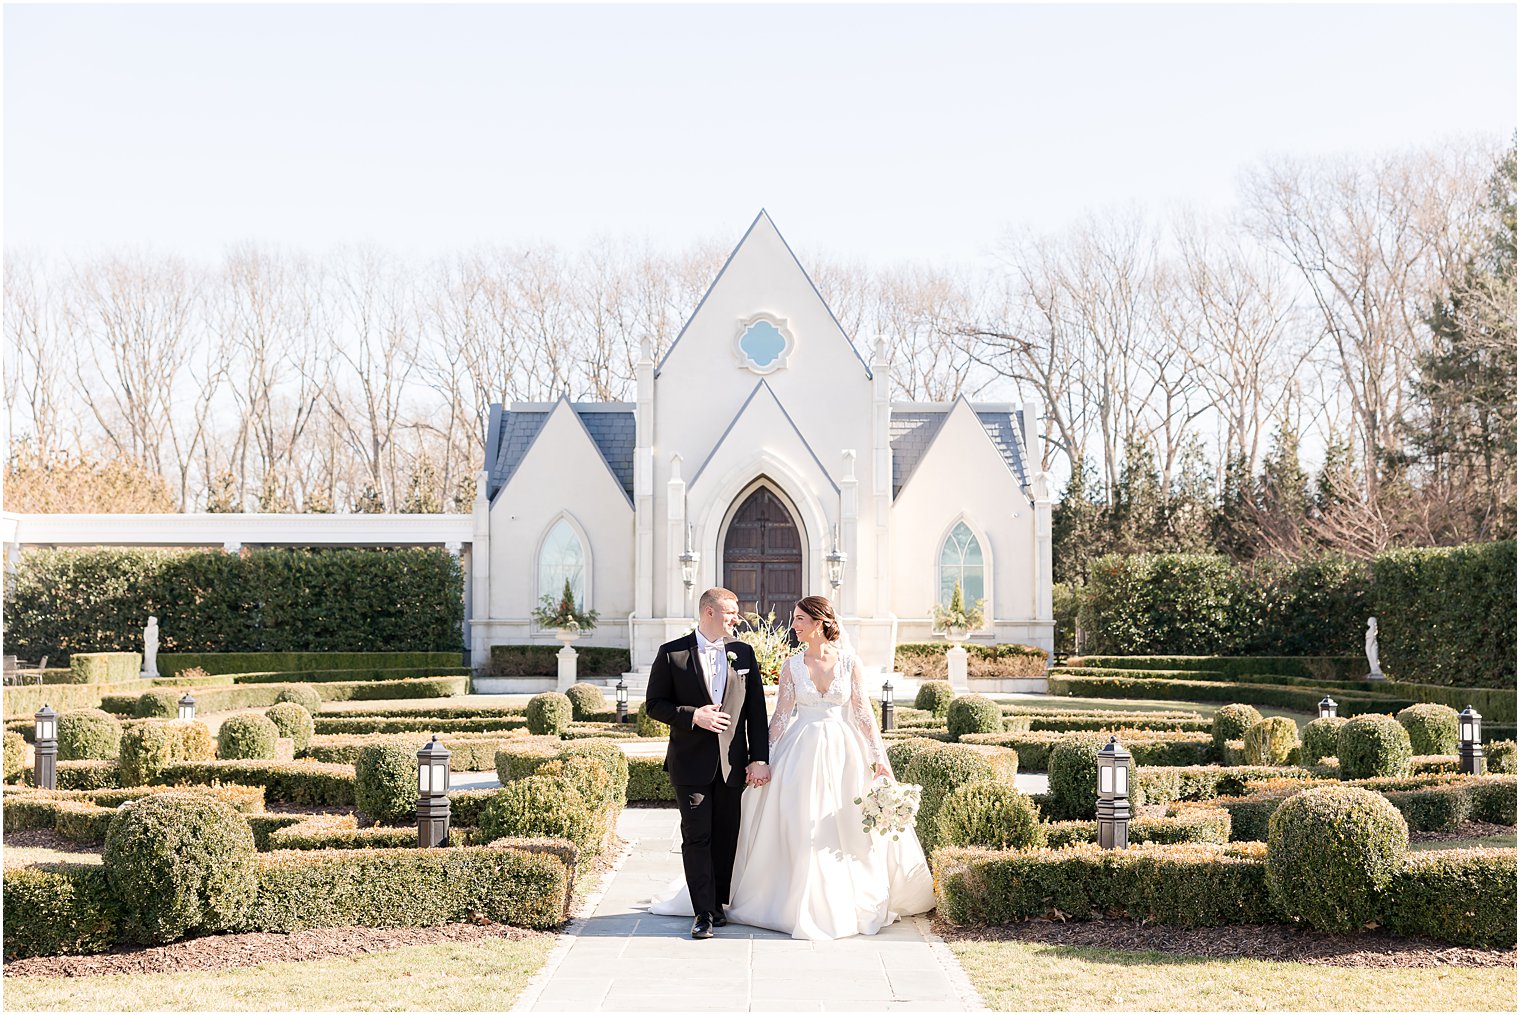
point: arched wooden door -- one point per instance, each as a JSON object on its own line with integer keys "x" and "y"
{"x": 762, "y": 556}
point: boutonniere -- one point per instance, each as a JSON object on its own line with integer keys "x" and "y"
{"x": 733, "y": 657}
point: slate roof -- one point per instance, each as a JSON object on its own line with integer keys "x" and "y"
{"x": 913, "y": 429}
{"x": 512, "y": 432}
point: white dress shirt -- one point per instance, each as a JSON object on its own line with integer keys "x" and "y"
{"x": 714, "y": 657}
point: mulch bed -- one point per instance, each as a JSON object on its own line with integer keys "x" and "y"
{"x": 1466, "y": 830}
{"x": 231, "y": 951}
{"x": 1269, "y": 942}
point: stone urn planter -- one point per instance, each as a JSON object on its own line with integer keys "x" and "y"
{"x": 566, "y": 657}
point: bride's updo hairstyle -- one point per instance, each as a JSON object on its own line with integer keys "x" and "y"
{"x": 820, "y": 608}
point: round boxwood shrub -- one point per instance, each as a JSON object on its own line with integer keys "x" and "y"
{"x": 157, "y": 704}
{"x": 521, "y": 757}
{"x": 1320, "y": 738}
{"x": 15, "y": 755}
{"x": 195, "y": 742}
{"x": 935, "y": 696}
{"x": 1073, "y": 771}
{"x": 539, "y": 806}
{"x": 939, "y": 770}
{"x": 1330, "y": 851}
{"x": 1271, "y": 741}
{"x": 304, "y": 695}
{"x": 1432, "y": 728}
{"x": 973, "y": 713}
{"x": 900, "y": 753}
{"x": 549, "y": 713}
{"x": 611, "y": 758}
{"x": 1231, "y": 723}
{"x": 293, "y": 721}
{"x": 385, "y": 782}
{"x": 648, "y": 725}
{"x": 1373, "y": 745}
{"x": 589, "y": 777}
{"x": 145, "y": 749}
{"x": 250, "y": 737}
{"x": 180, "y": 862}
{"x": 1499, "y": 757}
{"x": 991, "y": 815}
{"x": 88, "y": 734}
{"x": 586, "y": 700}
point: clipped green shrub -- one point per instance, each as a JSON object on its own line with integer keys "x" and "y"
{"x": 521, "y": 758}
{"x": 973, "y": 713}
{"x": 15, "y": 756}
{"x": 88, "y": 774}
{"x": 293, "y": 721}
{"x": 307, "y": 783}
{"x": 385, "y": 782}
{"x": 588, "y": 776}
{"x": 146, "y": 748}
{"x": 939, "y": 770}
{"x": 612, "y": 760}
{"x": 539, "y": 806}
{"x": 195, "y": 742}
{"x": 648, "y": 725}
{"x": 1320, "y": 739}
{"x": 1432, "y": 729}
{"x": 900, "y": 753}
{"x": 301, "y": 694}
{"x": 59, "y": 909}
{"x": 1466, "y": 896}
{"x": 180, "y": 862}
{"x": 1331, "y": 851}
{"x": 104, "y": 667}
{"x": 647, "y": 781}
{"x": 1373, "y": 745}
{"x": 88, "y": 734}
{"x": 935, "y": 696}
{"x": 1231, "y": 723}
{"x": 1073, "y": 768}
{"x": 157, "y": 704}
{"x": 1271, "y": 741}
{"x": 247, "y": 738}
{"x": 1499, "y": 757}
{"x": 549, "y": 713}
{"x": 989, "y": 814}
{"x": 586, "y": 700}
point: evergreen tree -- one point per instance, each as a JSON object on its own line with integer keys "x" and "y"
{"x": 1078, "y": 533}
{"x": 223, "y": 496}
{"x": 1138, "y": 516}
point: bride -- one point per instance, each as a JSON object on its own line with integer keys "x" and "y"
{"x": 805, "y": 866}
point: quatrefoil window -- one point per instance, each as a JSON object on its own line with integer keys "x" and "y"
{"x": 764, "y": 343}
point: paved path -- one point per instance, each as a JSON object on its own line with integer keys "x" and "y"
{"x": 623, "y": 959}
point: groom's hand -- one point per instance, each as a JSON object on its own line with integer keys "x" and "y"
{"x": 711, "y": 717}
{"x": 758, "y": 773}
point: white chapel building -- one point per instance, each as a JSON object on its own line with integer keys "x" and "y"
{"x": 764, "y": 445}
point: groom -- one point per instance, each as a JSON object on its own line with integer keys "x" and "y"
{"x": 708, "y": 690}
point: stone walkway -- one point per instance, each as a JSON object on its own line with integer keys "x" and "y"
{"x": 623, "y": 959}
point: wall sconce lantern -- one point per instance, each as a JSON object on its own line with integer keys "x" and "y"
{"x": 1113, "y": 795}
{"x": 1327, "y": 707}
{"x": 689, "y": 560}
{"x": 433, "y": 794}
{"x": 1470, "y": 742}
{"x": 45, "y": 772}
{"x": 835, "y": 560}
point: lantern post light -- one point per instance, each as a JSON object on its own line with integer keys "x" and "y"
{"x": 1470, "y": 742}
{"x": 187, "y": 707}
{"x": 622, "y": 701}
{"x": 433, "y": 794}
{"x": 45, "y": 773}
{"x": 689, "y": 559}
{"x": 1327, "y": 707}
{"x": 835, "y": 561}
{"x": 888, "y": 708}
{"x": 1113, "y": 795}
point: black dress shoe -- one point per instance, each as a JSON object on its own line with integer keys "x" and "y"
{"x": 720, "y": 918}
{"x": 702, "y": 926}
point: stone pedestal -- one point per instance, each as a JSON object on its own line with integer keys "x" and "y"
{"x": 955, "y": 661}
{"x": 567, "y": 657}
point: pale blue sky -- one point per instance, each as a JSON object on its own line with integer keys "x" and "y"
{"x": 879, "y": 132}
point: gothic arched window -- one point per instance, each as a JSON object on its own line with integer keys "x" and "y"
{"x": 960, "y": 559}
{"x": 562, "y": 557}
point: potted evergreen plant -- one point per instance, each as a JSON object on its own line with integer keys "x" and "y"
{"x": 956, "y": 620}
{"x": 562, "y": 615}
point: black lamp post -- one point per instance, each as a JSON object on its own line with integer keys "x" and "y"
{"x": 888, "y": 709}
{"x": 1470, "y": 742}
{"x": 1113, "y": 795}
{"x": 46, "y": 740}
{"x": 1327, "y": 707}
{"x": 433, "y": 794}
{"x": 622, "y": 701}
{"x": 187, "y": 707}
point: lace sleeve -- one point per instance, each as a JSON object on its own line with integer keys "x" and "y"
{"x": 786, "y": 701}
{"x": 862, "y": 717}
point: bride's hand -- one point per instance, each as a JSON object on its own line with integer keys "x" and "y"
{"x": 882, "y": 772}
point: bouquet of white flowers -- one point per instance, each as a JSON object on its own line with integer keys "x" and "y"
{"x": 889, "y": 807}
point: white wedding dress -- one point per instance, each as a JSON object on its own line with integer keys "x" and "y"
{"x": 804, "y": 865}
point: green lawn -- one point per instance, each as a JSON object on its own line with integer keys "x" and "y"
{"x": 1506, "y": 841}
{"x": 1203, "y": 708}
{"x": 1018, "y": 976}
{"x": 459, "y": 976}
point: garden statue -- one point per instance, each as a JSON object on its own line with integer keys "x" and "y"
{"x": 150, "y": 649}
{"x": 1372, "y": 651}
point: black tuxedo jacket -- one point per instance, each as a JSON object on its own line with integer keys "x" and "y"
{"x": 678, "y": 687}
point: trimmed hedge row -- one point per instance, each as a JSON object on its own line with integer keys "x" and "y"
{"x": 308, "y": 783}
{"x": 648, "y": 781}
{"x": 1432, "y": 804}
{"x": 542, "y": 661}
{"x": 1320, "y": 668}
{"x": 216, "y": 699}
{"x": 344, "y": 723}
{"x": 435, "y": 712}
{"x": 369, "y": 674}
{"x": 104, "y": 667}
{"x": 468, "y": 752}
{"x": 1301, "y": 699}
{"x": 927, "y": 660}
{"x": 1184, "y": 823}
{"x": 1150, "y": 747}
{"x": 23, "y": 702}
{"x": 260, "y": 663}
